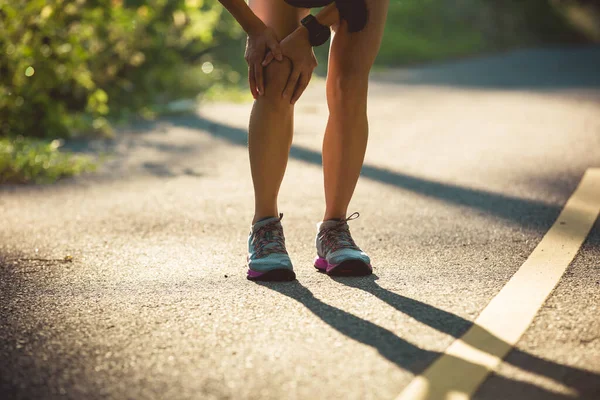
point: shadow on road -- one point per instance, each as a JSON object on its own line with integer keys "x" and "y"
{"x": 535, "y": 70}
{"x": 414, "y": 359}
{"x": 530, "y": 214}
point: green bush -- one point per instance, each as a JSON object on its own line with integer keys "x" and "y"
{"x": 24, "y": 160}
{"x": 68, "y": 65}
{"x": 431, "y": 30}
{"x": 427, "y": 30}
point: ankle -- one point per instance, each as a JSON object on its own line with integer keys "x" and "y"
{"x": 260, "y": 215}
{"x": 334, "y": 216}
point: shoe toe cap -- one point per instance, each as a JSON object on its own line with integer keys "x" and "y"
{"x": 271, "y": 262}
{"x": 348, "y": 254}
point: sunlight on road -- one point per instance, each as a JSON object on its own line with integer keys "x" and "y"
{"x": 468, "y": 361}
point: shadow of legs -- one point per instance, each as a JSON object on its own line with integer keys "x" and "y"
{"x": 585, "y": 382}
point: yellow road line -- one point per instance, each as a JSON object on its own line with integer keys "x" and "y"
{"x": 466, "y": 363}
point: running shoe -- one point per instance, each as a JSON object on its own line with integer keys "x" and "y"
{"x": 337, "y": 254}
{"x": 268, "y": 259}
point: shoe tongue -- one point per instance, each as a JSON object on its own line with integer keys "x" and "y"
{"x": 263, "y": 222}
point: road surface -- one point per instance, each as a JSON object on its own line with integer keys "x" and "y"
{"x": 468, "y": 166}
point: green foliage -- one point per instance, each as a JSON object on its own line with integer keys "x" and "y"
{"x": 67, "y": 66}
{"x": 430, "y": 30}
{"x": 70, "y": 66}
{"x": 426, "y": 30}
{"x": 25, "y": 160}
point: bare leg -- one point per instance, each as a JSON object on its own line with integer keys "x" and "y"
{"x": 350, "y": 59}
{"x": 270, "y": 138}
{"x": 271, "y": 121}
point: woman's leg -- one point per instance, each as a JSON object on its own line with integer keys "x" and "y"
{"x": 350, "y": 59}
{"x": 271, "y": 120}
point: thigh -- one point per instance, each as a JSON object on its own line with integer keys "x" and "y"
{"x": 278, "y": 15}
{"x": 355, "y": 52}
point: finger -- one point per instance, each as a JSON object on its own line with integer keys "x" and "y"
{"x": 252, "y": 81}
{"x": 258, "y": 73}
{"x": 302, "y": 84}
{"x": 275, "y": 49}
{"x": 268, "y": 59}
{"x": 291, "y": 84}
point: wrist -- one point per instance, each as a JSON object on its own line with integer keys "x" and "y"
{"x": 303, "y": 32}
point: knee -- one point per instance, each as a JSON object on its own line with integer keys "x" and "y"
{"x": 348, "y": 90}
{"x": 276, "y": 75}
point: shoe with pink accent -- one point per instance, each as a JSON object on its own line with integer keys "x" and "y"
{"x": 337, "y": 254}
{"x": 268, "y": 259}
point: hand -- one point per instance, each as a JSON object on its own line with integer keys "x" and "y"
{"x": 257, "y": 46}
{"x": 297, "y": 48}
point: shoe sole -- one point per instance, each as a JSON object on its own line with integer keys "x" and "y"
{"x": 275, "y": 275}
{"x": 345, "y": 268}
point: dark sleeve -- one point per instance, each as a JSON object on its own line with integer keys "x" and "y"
{"x": 353, "y": 11}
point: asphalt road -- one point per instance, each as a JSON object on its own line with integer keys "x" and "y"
{"x": 469, "y": 164}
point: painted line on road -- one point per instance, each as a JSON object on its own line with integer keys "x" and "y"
{"x": 466, "y": 363}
